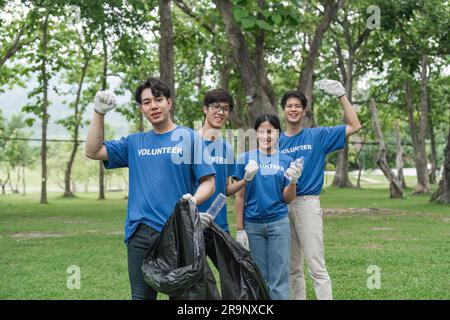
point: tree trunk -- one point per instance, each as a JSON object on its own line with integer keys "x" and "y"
{"x": 442, "y": 194}
{"x": 258, "y": 93}
{"x": 141, "y": 127}
{"x": 101, "y": 168}
{"x": 418, "y": 145}
{"x": 341, "y": 178}
{"x": 423, "y": 184}
{"x": 67, "y": 174}
{"x": 23, "y": 181}
{"x": 399, "y": 157}
{"x": 44, "y": 114}
{"x": 10, "y": 183}
{"x": 307, "y": 71}
{"x": 16, "y": 187}
{"x": 433, "y": 162}
{"x": 166, "y": 57}
{"x": 4, "y": 183}
{"x": 358, "y": 161}
{"x": 395, "y": 187}
{"x": 410, "y": 109}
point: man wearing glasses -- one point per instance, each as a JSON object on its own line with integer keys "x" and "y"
{"x": 217, "y": 105}
{"x": 305, "y": 213}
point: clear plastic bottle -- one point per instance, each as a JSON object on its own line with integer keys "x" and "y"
{"x": 298, "y": 163}
{"x": 217, "y": 205}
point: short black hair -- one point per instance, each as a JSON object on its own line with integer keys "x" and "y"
{"x": 157, "y": 86}
{"x": 294, "y": 94}
{"x": 218, "y": 95}
{"x": 269, "y": 117}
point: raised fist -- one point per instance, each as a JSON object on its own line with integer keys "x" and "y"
{"x": 250, "y": 170}
{"x": 104, "y": 101}
{"x": 331, "y": 87}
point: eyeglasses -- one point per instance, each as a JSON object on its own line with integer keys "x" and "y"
{"x": 218, "y": 107}
{"x": 268, "y": 132}
{"x": 296, "y": 106}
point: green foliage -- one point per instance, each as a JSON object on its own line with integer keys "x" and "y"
{"x": 16, "y": 153}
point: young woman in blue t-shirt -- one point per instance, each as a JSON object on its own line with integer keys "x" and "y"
{"x": 261, "y": 207}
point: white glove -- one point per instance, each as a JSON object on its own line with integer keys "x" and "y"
{"x": 192, "y": 201}
{"x": 250, "y": 170}
{"x": 331, "y": 87}
{"x": 104, "y": 101}
{"x": 241, "y": 237}
{"x": 294, "y": 172}
{"x": 206, "y": 219}
{"x": 190, "y": 198}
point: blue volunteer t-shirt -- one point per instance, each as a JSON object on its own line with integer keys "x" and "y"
{"x": 222, "y": 157}
{"x": 162, "y": 167}
{"x": 313, "y": 144}
{"x": 264, "y": 200}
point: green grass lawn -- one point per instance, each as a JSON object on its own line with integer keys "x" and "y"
{"x": 409, "y": 240}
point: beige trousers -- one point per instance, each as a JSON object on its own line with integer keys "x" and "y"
{"x": 305, "y": 216}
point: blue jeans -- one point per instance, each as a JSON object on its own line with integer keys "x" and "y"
{"x": 138, "y": 246}
{"x": 270, "y": 248}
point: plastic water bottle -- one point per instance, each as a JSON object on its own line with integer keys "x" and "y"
{"x": 217, "y": 205}
{"x": 298, "y": 163}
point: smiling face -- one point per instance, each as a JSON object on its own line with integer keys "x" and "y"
{"x": 293, "y": 110}
{"x": 267, "y": 136}
{"x": 216, "y": 114}
{"x": 155, "y": 109}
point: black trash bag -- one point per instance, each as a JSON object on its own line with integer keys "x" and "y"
{"x": 240, "y": 278}
{"x": 175, "y": 264}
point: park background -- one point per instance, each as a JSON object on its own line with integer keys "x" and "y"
{"x": 386, "y": 212}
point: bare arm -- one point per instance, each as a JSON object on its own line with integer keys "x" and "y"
{"x": 353, "y": 124}
{"x": 205, "y": 189}
{"x": 240, "y": 201}
{"x": 289, "y": 193}
{"x": 233, "y": 187}
{"x": 94, "y": 148}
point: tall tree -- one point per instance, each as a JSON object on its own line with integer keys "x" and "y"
{"x": 44, "y": 112}
{"x": 101, "y": 168}
{"x": 351, "y": 66}
{"x": 258, "y": 89}
{"x": 433, "y": 159}
{"x": 442, "y": 194}
{"x": 423, "y": 182}
{"x": 399, "y": 157}
{"x": 418, "y": 35}
{"x": 395, "y": 187}
{"x": 331, "y": 9}
{"x": 166, "y": 55}
{"x": 85, "y": 46}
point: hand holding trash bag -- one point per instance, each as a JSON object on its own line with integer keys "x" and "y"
{"x": 241, "y": 237}
{"x": 206, "y": 219}
{"x": 191, "y": 198}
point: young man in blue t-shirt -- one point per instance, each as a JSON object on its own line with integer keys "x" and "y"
{"x": 217, "y": 105}
{"x": 305, "y": 213}
{"x": 164, "y": 164}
